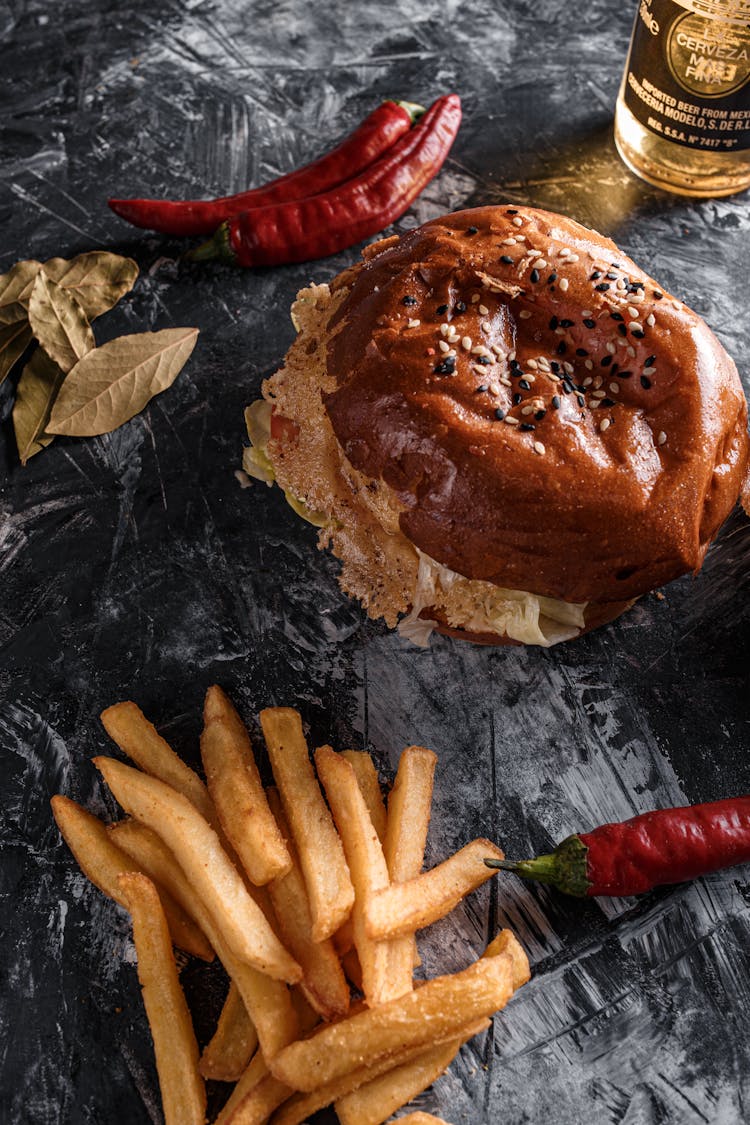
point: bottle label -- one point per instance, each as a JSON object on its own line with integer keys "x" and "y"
{"x": 688, "y": 73}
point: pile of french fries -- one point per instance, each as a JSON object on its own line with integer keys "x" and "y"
{"x": 310, "y": 894}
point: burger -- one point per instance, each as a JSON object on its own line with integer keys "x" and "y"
{"x": 504, "y": 429}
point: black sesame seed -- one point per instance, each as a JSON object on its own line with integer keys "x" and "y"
{"x": 524, "y": 385}
{"x": 595, "y": 275}
{"x": 407, "y": 300}
{"x": 481, "y": 389}
{"x": 554, "y": 366}
{"x": 484, "y": 360}
{"x": 517, "y": 398}
{"x": 472, "y": 230}
{"x": 657, "y": 295}
{"x": 645, "y": 382}
{"x": 555, "y": 402}
{"x": 638, "y": 333}
{"x": 567, "y": 389}
{"x": 511, "y": 211}
{"x": 515, "y": 365}
{"x": 625, "y": 375}
{"x": 552, "y": 277}
{"x": 617, "y": 316}
{"x": 602, "y": 287}
{"x": 447, "y": 367}
{"x": 561, "y": 348}
{"x": 442, "y": 309}
{"x": 581, "y": 351}
{"x": 539, "y": 415}
{"x": 637, "y": 285}
{"x": 499, "y": 414}
{"x": 606, "y": 360}
{"x": 526, "y": 426}
{"x": 611, "y": 276}
{"x": 650, "y": 359}
{"x": 613, "y": 369}
{"x": 616, "y": 266}
{"x": 622, "y": 329}
{"x": 460, "y": 306}
{"x": 581, "y": 400}
{"x": 608, "y": 402}
{"x": 534, "y": 276}
{"x": 588, "y": 323}
{"x": 507, "y": 259}
{"x": 554, "y": 322}
{"x": 566, "y": 323}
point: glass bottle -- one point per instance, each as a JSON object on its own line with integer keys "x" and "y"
{"x": 683, "y": 112}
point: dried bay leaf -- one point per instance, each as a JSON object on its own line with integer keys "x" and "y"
{"x": 15, "y": 288}
{"x": 113, "y": 383}
{"x": 59, "y": 323}
{"x": 40, "y": 381}
{"x": 14, "y": 340}
{"x": 97, "y": 279}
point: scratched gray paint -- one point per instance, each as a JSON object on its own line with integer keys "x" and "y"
{"x": 134, "y": 566}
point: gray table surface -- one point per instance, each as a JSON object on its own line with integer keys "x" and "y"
{"x": 134, "y": 566}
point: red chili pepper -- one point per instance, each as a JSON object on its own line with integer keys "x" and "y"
{"x": 370, "y": 140}
{"x": 324, "y": 224}
{"x": 668, "y": 846}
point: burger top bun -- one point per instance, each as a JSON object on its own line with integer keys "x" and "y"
{"x": 549, "y": 417}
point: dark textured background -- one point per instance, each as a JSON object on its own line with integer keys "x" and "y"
{"x": 134, "y": 566}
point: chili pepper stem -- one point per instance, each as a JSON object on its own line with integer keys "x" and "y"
{"x": 216, "y": 248}
{"x": 564, "y": 868}
{"x": 414, "y": 110}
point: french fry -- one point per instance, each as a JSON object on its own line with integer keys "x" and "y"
{"x": 507, "y": 943}
{"x": 237, "y": 793}
{"x": 321, "y": 855}
{"x": 367, "y": 866}
{"x": 436, "y": 1011}
{"x": 127, "y": 726}
{"x": 254, "y": 1073}
{"x": 420, "y": 1118}
{"x": 409, "y": 805}
{"x": 323, "y": 981}
{"x": 268, "y": 1002}
{"x": 352, "y": 968}
{"x": 373, "y": 1102}
{"x": 406, "y": 907}
{"x": 197, "y": 848}
{"x": 226, "y": 1056}
{"x": 367, "y": 776}
{"x": 300, "y": 1107}
{"x": 183, "y": 1092}
{"x": 102, "y": 861}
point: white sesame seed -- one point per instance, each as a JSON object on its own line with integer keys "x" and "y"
{"x": 649, "y": 370}
{"x": 651, "y": 320}
{"x": 586, "y": 313}
{"x": 621, "y": 283}
{"x": 572, "y": 257}
{"x": 479, "y": 349}
{"x": 615, "y": 388}
{"x": 611, "y": 348}
{"x": 479, "y": 370}
{"x": 598, "y": 382}
{"x": 594, "y": 404}
{"x": 414, "y": 324}
{"x": 512, "y": 355}
{"x": 485, "y": 325}
{"x": 517, "y": 221}
{"x": 637, "y": 297}
{"x": 466, "y": 343}
{"x": 621, "y": 342}
{"x": 564, "y": 283}
{"x": 505, "y": 382}
{"x": 524, "y": 314}
{"x": 520, "y": 238}
{"x": 509, "y": 242}
{"x": 540, "y": 263}
{"x": 636, "y": 325}
{"x": 443, "y": 345}
{"x": 445, "y": 329}
{"x": 528, "y": 410}
{"x": 631, "y": 351}
{"x": 511, "y": 421}
{"x": 588, "y": 365}
{"x": 661, "y": 438}
{"x": 533, "y": 253}
{"x": 559, "y": 331}
{"x": 529, "y": 377}
{"x": 474, "y": 298}
{"x": 604, "y": 424}
{"x": 599, "y": 394}
{"x": 493, "y": 389}
{"x": 539, "y": 448}
{"x": 587, "y": 382}
{"x": 563, "y": 252}
{"x": 497, "y": 348}
{"x": 532, "y": 363}
{"x": 634, "y": 312}
{"x": 483, "y": 310}
{"x": 568, "y": 367}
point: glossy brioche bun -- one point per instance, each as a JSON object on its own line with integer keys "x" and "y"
{"x": 504, "y": 392}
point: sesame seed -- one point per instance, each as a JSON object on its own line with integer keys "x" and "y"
{"x": 552, "y": 277}
{"x": 445, "y": 329}
{"x": 649, "y": 360}
{"x": 442, "y": 310}
{"x": 572, "y": 257}
{"x": 568, "y": 367}
{"x": 594, "y": 405}
{"x": 587, "y": 312}
{"x": 505, "y": 382}
{"x": 602, "y": 287}
{"x": 539, "y": 448}
{"x": 611, "y": 348}
{"x": 661, "y": 438}
{"x": 506, "y": 258}
{"x": 483, "y": 310}
{"x": 588, "y": 365}
{"x": 511, "y": 421}
{"x": 532, "y": 363}
{"x": 595, "y": 276}
{"x": 540, "y": 414}
{"x": 518, "y": 221}
{"x": 635, "y": 313}
{"x": 500, "y": 414}
{"x": 509, "y": 242}
{"x": 651, "y": 320}
{"x": 413, "y": 323}
{"x": 527, "y": 427}
{"x": 466, "y": 343}
{"x": 534, "y": 276}
{"x": 606, "y": 360}
{"x": 587, "y": 382}
{"x": 474, "y": 298}
{"x": 631, "y": 351}
{"x": 597, "y": 382}
{"x": 649, "y": 370}
{"x": 645, "y": 383}
{"x": 481, "y": 389}
{"x": 460, "y": 306}
{"x": 599, "y": 394}
{"x": 443, "y": 345}
{"x": 604, "y": 424}
{"x": 555, "y": 402}
{"x": 525, "y": 385}
{"x": 626, "y": 374}
{"x": 524, "y": 314}
{"x": 527, "y": 410}
{"x": 408, "y": 300}
{"x": 512, "y": 356}
{"x": 657, "y": 295}
{"x": 638, "y": 333}
{"x": 588, "y": 323}
{"x": 540, "y": 263}
{"x": 479, "y": 370}
{"x": 564, "y": 284}
{"x": 472, "y": 230}
{"x": 615, "y": 388}
{"x": 581, "y": 400}
{"x": 561, "y": 348}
